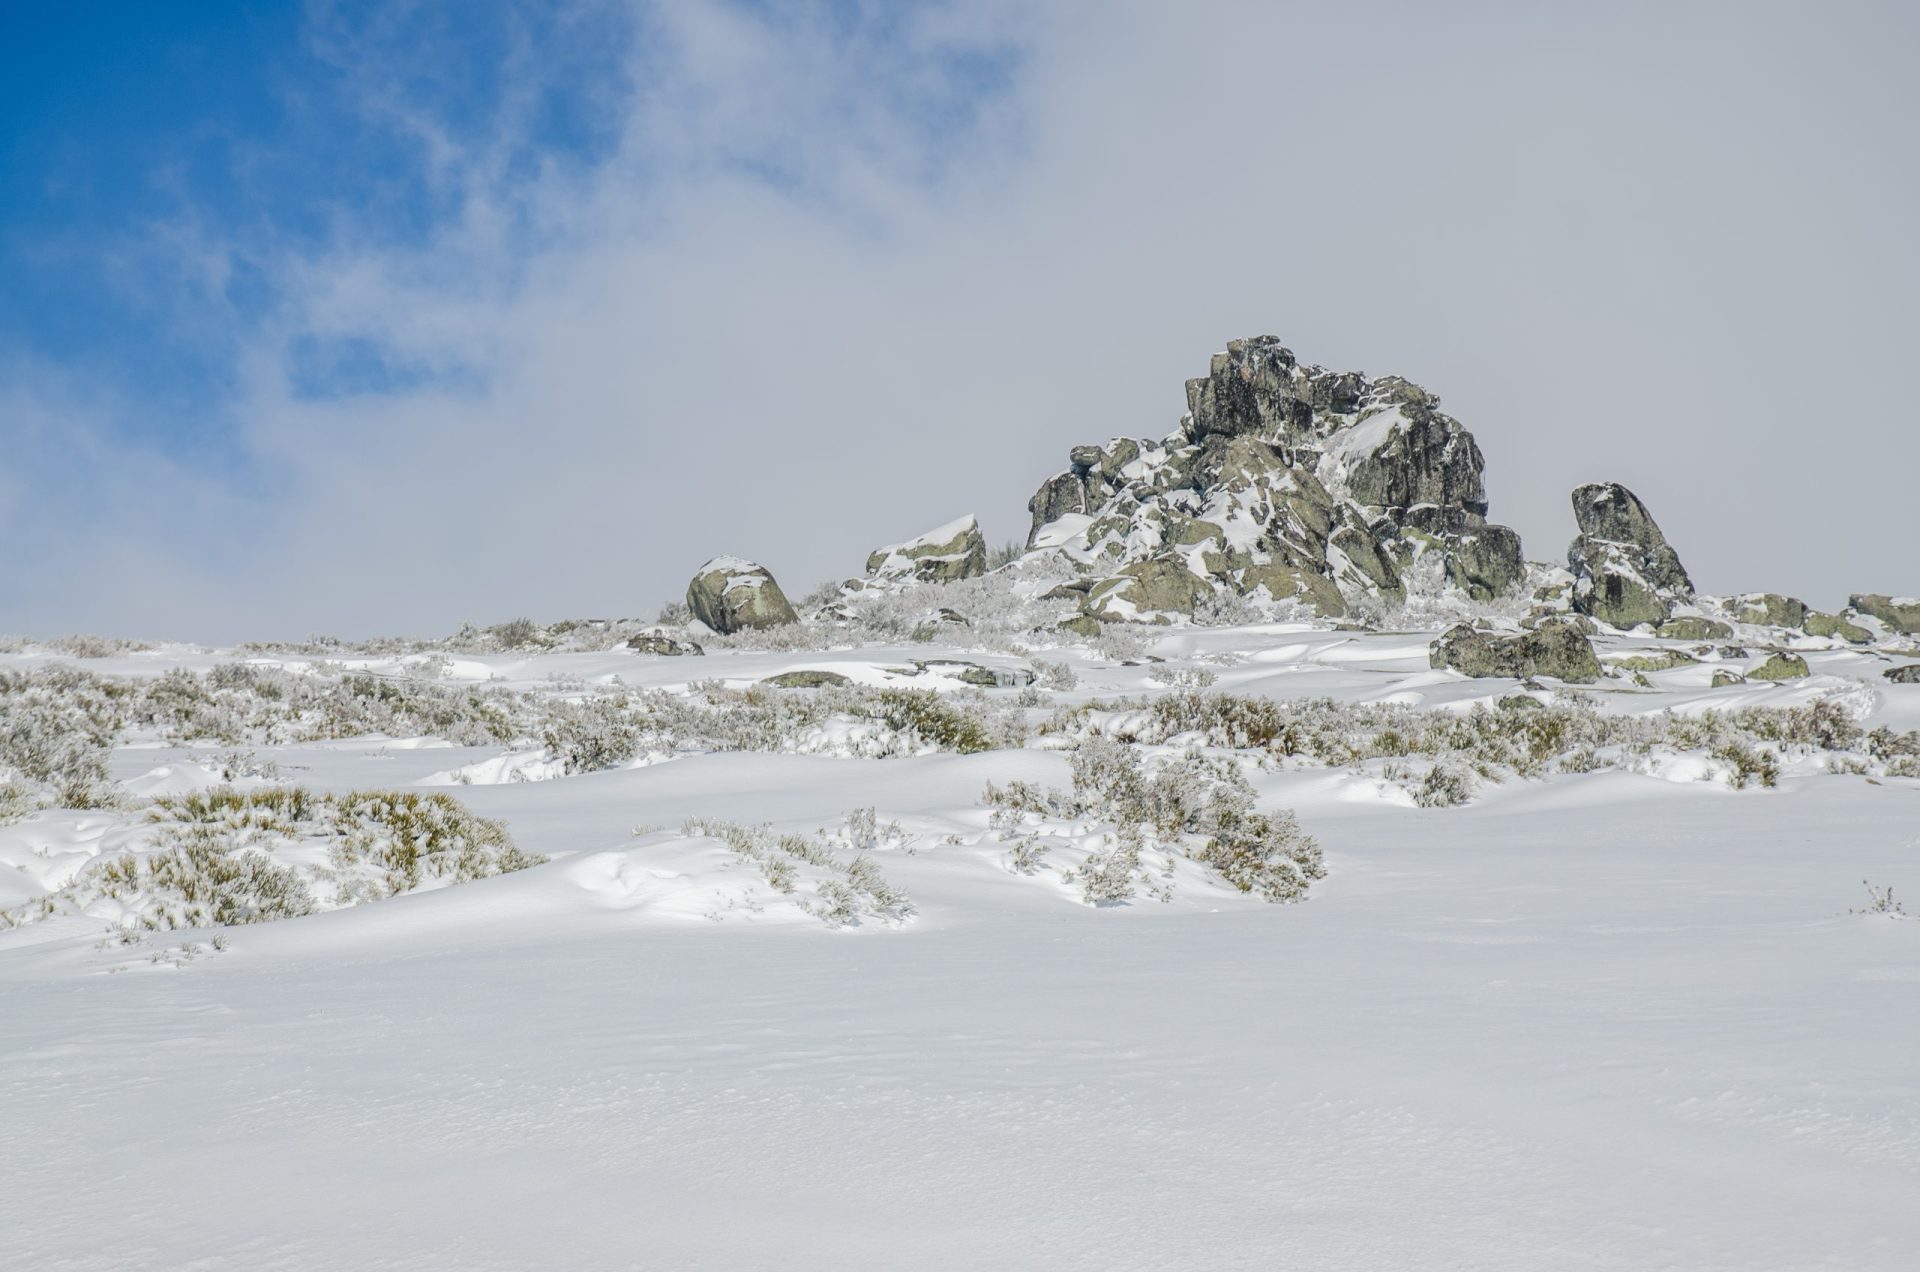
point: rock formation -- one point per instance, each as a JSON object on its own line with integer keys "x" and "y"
{"x": 731, "y": 595}
{"x": 1283, "y": 481}
{"x": 956, "y": 550}
{"x": 1623, "y": 569}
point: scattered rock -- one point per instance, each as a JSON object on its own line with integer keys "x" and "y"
{"x": 1837, "y": 626}
{"x": 1073, "y": 591}
{"x": 1900, "y": 613}
{"x": 1553, "y": 649}
{"x": 806, "y": 680}
{"x": 1080, "y": 625}
{"x": 1624, "y": 571}
{"x": 1780, "y": 666}
{"x": 1694, "y": 627}
{"x": 1722, "y": 678}
{"x": 730, "y": 594}
{"x": 1907, "y": 675}
{"x": 956, "y": 550}
{"x": 663, "y": 645}
{"x": 971, "y": 673}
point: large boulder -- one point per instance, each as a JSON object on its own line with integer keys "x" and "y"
{"x": 1554, "y": 649}
{"x": 1485, "y": 562}
{"x": 730, "y": 595}
{"x": 1902, "y": 613}
{"x": 1695, "y": 627}
{"x": 1770, "y": 609}
{"x": 1838, "y": 627}
{"x": 956, "y": 550}
{"x": 1624, "y": 571}
{"x": 1907, "y": 675}
{"x": 1780, "y": 666}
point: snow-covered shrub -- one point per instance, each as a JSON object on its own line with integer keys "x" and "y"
{"x": 842, "y": 891}
{"x": 597, "y": 733}
{"x": 1182, "y": 677}
{"x": 1445, "y": 785}
{"x": 1054, "y": 675}
{"x": 57, "y": 728}
{"x": 1751, "y": 765}
{"x": 1880, "y": 901}
{"x": 1519, "y": 737}
{"x": 81, "y": 646}
{"x": 1192, "y": 805}
{"x": 225, "y": 857}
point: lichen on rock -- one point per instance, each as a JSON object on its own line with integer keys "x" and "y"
{"x": 730, "y": 594}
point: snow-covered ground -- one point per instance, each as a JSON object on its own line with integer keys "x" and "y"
{"x": 1621, "y": 1018}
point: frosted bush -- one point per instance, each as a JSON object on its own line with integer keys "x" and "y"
{"x": 840, "y": 890}
{"x": 1192, "y": 805}
{"x": 225, "y": 857}
{"x": 1519, "y": 737}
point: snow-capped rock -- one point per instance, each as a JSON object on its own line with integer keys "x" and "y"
{"x": 730, "y": 594}
{"x": 956, "y": 550}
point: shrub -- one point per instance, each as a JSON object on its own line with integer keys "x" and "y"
{"x": 1197, "y": 806}
{"x": 844, "y": 890}
{"x": 224, "y": 857}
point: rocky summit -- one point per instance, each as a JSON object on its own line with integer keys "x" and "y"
{"x": 1284, "y": 481}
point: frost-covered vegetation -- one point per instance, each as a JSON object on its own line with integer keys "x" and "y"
{"x": 1520, "y": 736}
{"x": 1120, "y": 827}
{"x": 226, "y": 857}
{"x": 58, "y": 723}
{"x": 830, "y": 874}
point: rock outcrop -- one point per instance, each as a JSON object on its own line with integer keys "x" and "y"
{"x": 1770, "y": 609}
{"x": 956, "y": 550}
{"x": 1283, "y": 482}
{"x": 1624, "y": 571}
{"x": 1838, "y": 627}
{"x": 1907, "y": 675}
{"x": 1902, "y": 613}
{"x": 1780, "y": 666}
{"x": 1552, "y": 649}
{"x": 730, "y": 595}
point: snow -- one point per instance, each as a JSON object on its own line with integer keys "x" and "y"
{"x": 1613, "y": 1020}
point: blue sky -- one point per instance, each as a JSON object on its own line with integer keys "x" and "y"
{"x": 161, "y": 161}
{"x": 387, "y": 316}
{"x": 263, "y": 129}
